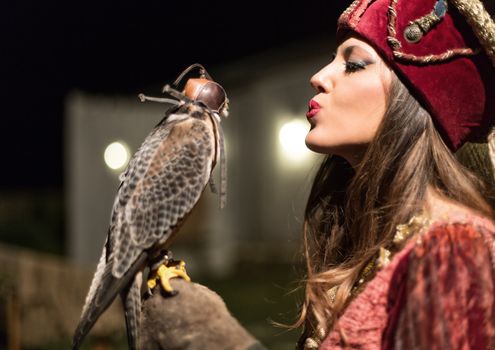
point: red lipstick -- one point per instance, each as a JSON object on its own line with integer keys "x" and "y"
{"x": 313, "y": 109}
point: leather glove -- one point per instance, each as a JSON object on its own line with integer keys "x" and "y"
{"x": 195, "y": 318}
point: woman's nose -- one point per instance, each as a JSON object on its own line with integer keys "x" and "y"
{"x": 321, "y": 81}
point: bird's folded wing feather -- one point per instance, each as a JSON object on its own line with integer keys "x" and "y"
{"x": 174, "y": 178}
{"x": 161, "y": 185}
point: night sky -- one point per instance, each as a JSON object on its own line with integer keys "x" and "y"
{"x": 50, "y": 48}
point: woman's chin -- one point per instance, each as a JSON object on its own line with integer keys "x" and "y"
{"x": 316, "y": 147}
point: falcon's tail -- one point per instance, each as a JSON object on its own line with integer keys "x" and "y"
{"x": 131, "y": 298}
{"x": 105, "y": 293}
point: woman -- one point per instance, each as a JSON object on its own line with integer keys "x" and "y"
{"x": 399, "y": 238}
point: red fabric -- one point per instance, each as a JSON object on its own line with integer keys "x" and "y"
{"x": 437, "y": 293}
{"x": 459, "y": 93}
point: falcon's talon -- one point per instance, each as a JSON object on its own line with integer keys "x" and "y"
{"x": 166, "y": 271}
{"x": 151, "y": 284}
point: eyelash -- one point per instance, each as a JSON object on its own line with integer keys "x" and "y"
{"x": 352, "y": 67}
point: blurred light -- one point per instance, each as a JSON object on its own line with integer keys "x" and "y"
{"x": 116, "y": 155}
{"x": 291, "y": 136}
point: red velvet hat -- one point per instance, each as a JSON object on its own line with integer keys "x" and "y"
{"x": 443, "y": 50}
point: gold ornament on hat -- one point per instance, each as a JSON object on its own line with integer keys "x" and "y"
{"x": 480, "y": 21}
{"x": 474, "y": 12}
{"x": 483, "y": 27}
{"x": 416, "y": 29}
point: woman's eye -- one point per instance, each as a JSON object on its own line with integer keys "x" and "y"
{"x": 353, "y": 66}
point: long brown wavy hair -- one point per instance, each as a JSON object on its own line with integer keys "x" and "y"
{"x": 351, "y": 213}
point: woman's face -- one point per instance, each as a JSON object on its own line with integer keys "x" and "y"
{"x": 350, "y": 102}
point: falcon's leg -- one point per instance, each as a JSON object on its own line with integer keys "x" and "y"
{"x": 131, "y": 299}
{"x": 165, "y": 272}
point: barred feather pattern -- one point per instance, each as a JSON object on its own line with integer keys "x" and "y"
{"x": 96, "y": 279}
{"x": 162, "y": 183}
{"x": 132, "y": 306}
{"x": 161, "y": 188}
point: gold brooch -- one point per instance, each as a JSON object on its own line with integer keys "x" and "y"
{"x": 416, "y": 29}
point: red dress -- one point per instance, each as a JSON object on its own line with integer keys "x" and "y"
{"x": 437, "y": 293}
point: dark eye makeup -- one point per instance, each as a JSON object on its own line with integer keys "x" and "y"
{"x": 354, "y": 66}
{"x": 353, "y": 62}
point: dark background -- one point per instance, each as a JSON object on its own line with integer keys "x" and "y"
{"x": 50, "y": 48}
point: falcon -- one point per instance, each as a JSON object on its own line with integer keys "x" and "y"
{"x": 162, "y": 183}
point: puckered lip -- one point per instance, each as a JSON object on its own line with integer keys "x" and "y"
{"x": 313, "y": 109}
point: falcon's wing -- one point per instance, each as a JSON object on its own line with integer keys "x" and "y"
{"x": 147, "y": 148}
{"x": 173, "y": 181}
{"x": 161, "y": 185}
{"x": 103, "y": 291}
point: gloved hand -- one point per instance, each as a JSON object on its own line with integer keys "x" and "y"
{"x": 195, "y": 318}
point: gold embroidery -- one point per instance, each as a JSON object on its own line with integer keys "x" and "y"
{"x": 396, "y": 46}
{"x": 416, "y": 29}
{"x": 383, "y": 258}
{"x": 403, "y": 231}
{"x": 481, "y": 22}
{"x": 332, "y": 292}
{"x": 415, "y": 224}
{"x": 315, "y": 341}
{"x": 310, "y": 343}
